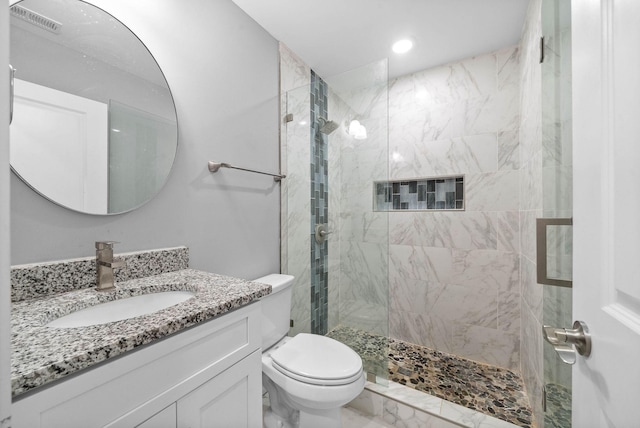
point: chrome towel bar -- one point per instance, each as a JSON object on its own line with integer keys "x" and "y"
{"x": 215, "y": 166}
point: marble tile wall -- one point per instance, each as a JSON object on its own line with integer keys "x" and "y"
{"x": 531, "y": 184}
{"x": 455, "y": 283}
{"x": 337, "y": 110}
{"x": 295, "y": 202}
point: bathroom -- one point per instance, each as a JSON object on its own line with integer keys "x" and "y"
{"x": 230, "y": 221}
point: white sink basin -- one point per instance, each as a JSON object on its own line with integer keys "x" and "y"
{"x": 121, "y": 309}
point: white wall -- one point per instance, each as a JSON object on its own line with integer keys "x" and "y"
{"x": 223, "y": 71}
{"x": 5, "y": 305}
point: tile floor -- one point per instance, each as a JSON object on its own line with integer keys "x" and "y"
{"x": 448, "y": 385}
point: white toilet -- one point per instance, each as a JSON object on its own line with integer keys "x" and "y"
{"x": 308, "y": 377}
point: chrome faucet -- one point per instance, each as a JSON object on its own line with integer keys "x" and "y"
{"x": 105, "y": 265}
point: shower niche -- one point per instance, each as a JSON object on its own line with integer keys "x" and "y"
{"x": 443, "y": 193}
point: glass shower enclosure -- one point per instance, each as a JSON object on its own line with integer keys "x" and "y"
{"x": 557, "y": 174}
{"x": 334, "y": 147}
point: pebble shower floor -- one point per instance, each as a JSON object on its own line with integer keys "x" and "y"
{"x": 491, "y": 390}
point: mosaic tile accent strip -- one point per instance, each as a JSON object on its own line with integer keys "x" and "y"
{"x": 494, "y": 391}
{"x": 445, "y": 193}
{"x": 41, "y": 279}
{"x": 319, "y": 207}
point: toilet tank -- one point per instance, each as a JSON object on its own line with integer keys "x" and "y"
{"x": 276, "y": 308}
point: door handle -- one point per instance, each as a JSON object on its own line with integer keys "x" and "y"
{"x": 567, "y": 342}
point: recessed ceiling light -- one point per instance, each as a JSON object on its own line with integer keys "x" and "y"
{"x": 402, "y": 46}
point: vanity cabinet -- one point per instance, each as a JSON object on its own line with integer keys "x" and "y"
{"x": 167, "y": 418}
{"x": 223, "y": 401}
{"x": 208, "y": 375}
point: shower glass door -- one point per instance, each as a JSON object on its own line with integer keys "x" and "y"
{"x": 333, "y": 242}
{"x": 557, "y": 176}
{"x": 358, "y": 100}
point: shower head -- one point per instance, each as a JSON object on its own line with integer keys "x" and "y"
{"x": 327, "y": 126}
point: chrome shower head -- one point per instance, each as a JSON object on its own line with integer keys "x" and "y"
{"x": 327, "y": 126}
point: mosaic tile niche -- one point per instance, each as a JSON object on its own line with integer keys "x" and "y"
{"x": 446, "y": 193}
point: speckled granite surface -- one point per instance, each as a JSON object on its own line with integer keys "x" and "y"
{"x": 43, "y": 354}
{"x": 42, "y": 279}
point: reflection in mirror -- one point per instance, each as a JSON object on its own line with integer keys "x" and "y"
{"x": 94, "y": 126}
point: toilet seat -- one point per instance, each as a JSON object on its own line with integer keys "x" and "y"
{"x": 317, "y": 360}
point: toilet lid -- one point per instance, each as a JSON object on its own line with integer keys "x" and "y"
{"x": 318, "y": 360}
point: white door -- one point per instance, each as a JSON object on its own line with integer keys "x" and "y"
{"x": 65, "y": 157}
{"x": 606, "y": 79}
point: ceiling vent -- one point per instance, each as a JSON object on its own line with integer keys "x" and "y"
{"x": 36, "y": 19}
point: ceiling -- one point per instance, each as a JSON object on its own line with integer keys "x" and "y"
{"x": 334, "y": 36}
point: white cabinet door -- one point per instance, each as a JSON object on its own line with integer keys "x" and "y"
{"x": 163, "y": 419}
{"x": 230, "y": 400}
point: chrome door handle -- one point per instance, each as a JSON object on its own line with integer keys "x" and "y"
{"x": 567, "y": 342}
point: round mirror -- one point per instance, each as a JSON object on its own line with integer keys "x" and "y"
{"x": 94, "y": 124}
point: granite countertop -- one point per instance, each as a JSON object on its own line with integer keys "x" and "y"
{"x": 43, "y": 354}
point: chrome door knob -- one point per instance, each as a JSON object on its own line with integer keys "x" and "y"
{"x": 567, "y": 342}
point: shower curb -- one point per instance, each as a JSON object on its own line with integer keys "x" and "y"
{"x": 397, "y": 403}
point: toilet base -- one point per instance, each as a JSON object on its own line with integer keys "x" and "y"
{"x": 325, "y": 419}
{"x": 331, "y": 418}
{"x": 271, "y": 420}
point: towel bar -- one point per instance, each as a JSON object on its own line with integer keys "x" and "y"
{"x": 215, "y": 166}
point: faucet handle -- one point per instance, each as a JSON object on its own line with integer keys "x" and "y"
{"x": 104, "y": 245}
{"x": 118, "y": 263}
